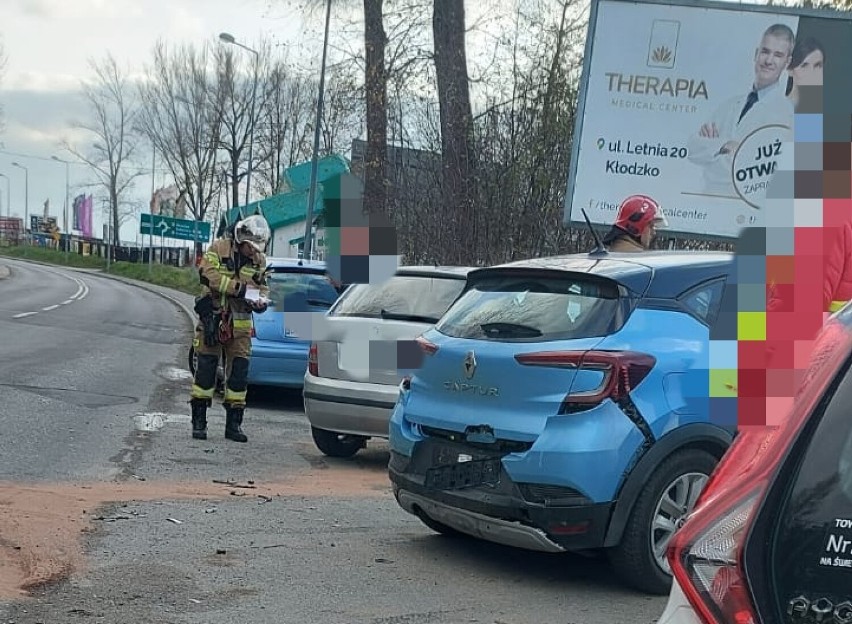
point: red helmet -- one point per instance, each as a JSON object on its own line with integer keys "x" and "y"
{"x": 637, "y": 212}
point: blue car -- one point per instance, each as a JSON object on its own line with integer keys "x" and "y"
{"x": 279, "y": 357}
{"x": 562, "y": 405}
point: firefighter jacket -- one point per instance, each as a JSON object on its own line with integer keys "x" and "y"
{"x": 226, "y": 273}
{"x": 624, "y": 244}
{"x": 837, "y": 273}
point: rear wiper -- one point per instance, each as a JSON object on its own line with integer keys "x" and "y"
{"x": 416, "y": 318}
{"x": 513, "y": 330}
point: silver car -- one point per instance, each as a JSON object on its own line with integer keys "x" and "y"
{"x": 352, "y": 383}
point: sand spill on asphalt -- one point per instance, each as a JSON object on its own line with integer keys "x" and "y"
{"x": 41, "y": 524}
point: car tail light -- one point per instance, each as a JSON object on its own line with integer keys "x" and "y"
{"x": 313, "y": 360}
{"x": 623, "y": 371}
{"x": 427, "y": 347}
{"x": 706, "y": 554}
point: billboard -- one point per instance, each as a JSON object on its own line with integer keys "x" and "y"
{"x": 698, "y": 104}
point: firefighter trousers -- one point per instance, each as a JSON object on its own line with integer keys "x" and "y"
{"x": 236, "y": 353}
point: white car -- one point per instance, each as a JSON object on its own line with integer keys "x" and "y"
{"x": 352, "y": 383}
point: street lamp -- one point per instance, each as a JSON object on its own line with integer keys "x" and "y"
{"x": 26, "y": 193}
{"x": 65, "y": 212}
{"x": 8, "y": 194}
{"x": 229, "y": 38}
{"x": 309, "y": 215}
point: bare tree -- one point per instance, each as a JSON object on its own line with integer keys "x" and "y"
{"x": 459, "y": 168}
{"x": 236, "y": 109}
{"x": 343, "y": 109}
{"x": 113, "y": 115}
{"x": 375, "y": 88}
{"x": 180, "y": 120}
{"x": 282, "y": 137}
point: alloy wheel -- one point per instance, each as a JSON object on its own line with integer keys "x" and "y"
{"x": 675, "y": 504}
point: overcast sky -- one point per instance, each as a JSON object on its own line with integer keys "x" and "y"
{"x": 48, "y": 44}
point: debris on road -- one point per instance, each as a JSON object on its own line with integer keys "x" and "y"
{"x": 250, "y": 485}
{"x": 265, "y": 499}
{"x": 174, "y": 520}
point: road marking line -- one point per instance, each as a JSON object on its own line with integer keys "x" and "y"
{"x": 67, "y": 302}
{"x": 23, "y": 314}
{"x": 48, "y": 308}
{"x": 80, "y": 287}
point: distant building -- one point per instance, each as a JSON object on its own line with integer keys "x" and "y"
{"x": 286, "y": 211}
{"x": 413, "y": 175}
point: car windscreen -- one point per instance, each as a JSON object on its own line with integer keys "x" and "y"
{"x": 533, "y": 308}
{"x": 300, "y": 290}
{"x": 420, "y": 298}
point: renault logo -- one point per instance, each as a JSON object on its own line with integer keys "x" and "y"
{"x": 469, "y": 365}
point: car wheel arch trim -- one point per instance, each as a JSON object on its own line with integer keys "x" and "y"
{"x": 692, "y": 435}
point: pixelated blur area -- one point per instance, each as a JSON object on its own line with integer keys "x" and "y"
{"x": 360, "y": 248}
{"x": 783, "y": 284}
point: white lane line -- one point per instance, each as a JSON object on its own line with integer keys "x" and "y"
{"x": 79, "y": 288}
{"x": 49, "y": 308}
{"x": 67, "y": 302}
{"x": 24, "y": 314}
{"x": 85, "y": 291}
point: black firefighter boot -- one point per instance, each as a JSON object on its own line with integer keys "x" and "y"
{"x": 199, "y": 418}
{"x": 233, "y": 422}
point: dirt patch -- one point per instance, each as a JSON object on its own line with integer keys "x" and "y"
{"x": 41, "y": 524}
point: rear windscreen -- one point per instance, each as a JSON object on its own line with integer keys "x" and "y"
{"x": 300, "y": 290}
{"x": 402, "y": 297}
{"x": 535, "y": 309}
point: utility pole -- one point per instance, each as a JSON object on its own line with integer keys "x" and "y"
{"x": 26, "y": 195}
{"x": 309, "y": 214}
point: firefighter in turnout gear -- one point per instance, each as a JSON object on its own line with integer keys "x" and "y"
{"x": 233, "y": 272}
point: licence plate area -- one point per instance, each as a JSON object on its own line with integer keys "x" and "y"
{"x": 464, "y": 474}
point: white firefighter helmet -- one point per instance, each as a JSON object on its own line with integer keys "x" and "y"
{"x": 252, "y": 230}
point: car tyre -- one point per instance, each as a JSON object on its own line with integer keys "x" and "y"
{"x": 667, "y": 498}
{"x": 336, "y": 444}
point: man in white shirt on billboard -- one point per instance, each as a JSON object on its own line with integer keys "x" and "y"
{"x": 716, "y": 142}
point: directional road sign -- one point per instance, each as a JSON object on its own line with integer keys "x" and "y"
{"x": 169, "y": 227}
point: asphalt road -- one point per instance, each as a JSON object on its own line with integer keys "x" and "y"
{"x": 95, "y": 412}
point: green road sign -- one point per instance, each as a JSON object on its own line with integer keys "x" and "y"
{"x": 168, "y": 227}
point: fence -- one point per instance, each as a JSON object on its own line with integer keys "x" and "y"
{"x": 174, "y": 256}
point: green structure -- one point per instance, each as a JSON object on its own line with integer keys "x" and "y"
{"x": 287, "y": 209}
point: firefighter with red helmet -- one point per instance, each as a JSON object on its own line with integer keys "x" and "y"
{"x": 639, "y": 218}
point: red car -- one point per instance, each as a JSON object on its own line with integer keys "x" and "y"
{"x": 770, "y": 539}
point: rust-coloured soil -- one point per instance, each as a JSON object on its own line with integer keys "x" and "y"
{"x": 41, "y": 524}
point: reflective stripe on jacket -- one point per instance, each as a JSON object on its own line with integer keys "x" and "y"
{"x": 221, "y": 278}
{"x": 834, "y": 306}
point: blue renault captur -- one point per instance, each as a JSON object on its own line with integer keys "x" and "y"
{"x": 563, "y": 405}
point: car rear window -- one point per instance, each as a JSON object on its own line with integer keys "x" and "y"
{"x": 298, "y": 290}
{"x": 418, "y": 298}
{"x": 524, "y": 308}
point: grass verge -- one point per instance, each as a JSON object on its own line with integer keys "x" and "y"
{"x": 184, "y": 279}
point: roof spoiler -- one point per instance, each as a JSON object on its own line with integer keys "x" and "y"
{"x": 600, "y": 248}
